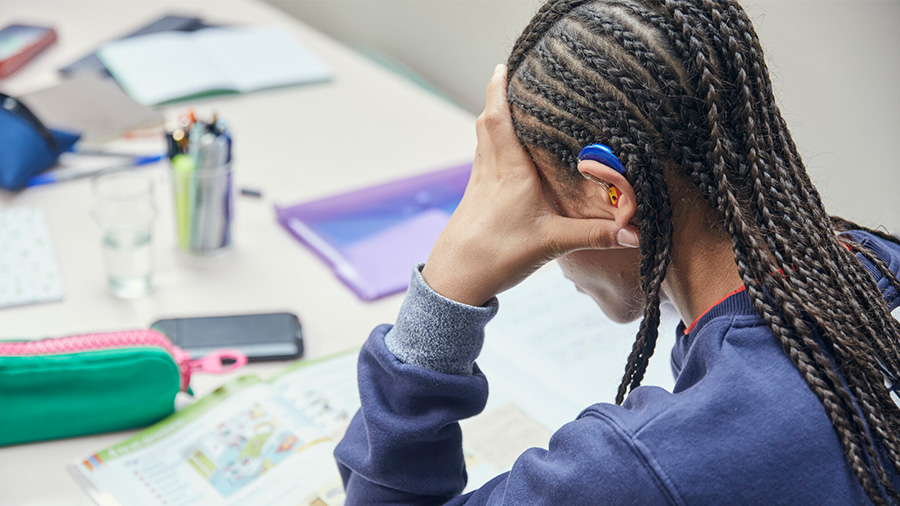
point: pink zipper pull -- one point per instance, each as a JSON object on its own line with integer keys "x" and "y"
{"x": 210, "y": 364}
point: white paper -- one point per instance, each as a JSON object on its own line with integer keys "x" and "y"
{"x": 549, "y": 334}
{"x": 258, "y": 58}
{"x": 29, "y": 272}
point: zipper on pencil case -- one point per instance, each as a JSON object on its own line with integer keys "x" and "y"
{"x": 212, "y": 363}
{"x": 103, "y": 341}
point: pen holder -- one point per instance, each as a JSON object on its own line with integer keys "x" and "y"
{"x": 204, "y": 205}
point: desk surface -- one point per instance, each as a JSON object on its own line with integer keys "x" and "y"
{"x": 294, "y": 144}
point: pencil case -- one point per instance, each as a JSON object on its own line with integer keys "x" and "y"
{"x": 28, "y": 147}
{"x": 88, "y": 384}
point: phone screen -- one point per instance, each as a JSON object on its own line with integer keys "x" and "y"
{"x": 15, "y": 38}
{"x": 273, "y": 336}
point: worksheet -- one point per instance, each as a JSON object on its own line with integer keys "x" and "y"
{"x": 548, "y": 354}
{"x": 552, "y": 339}
{"x": 270, "y": 443}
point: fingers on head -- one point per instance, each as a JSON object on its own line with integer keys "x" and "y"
{"x": 496, "y": 108}
{"x": 494, "y": 123}
{"x": 571, "y": 234}
{"x": 496, "y": 86}
{"x": 602, "y": 234}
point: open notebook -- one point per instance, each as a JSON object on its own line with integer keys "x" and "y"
{"x": 169, "y": 66}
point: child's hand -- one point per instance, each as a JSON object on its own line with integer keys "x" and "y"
{"x": 504, "y": 229}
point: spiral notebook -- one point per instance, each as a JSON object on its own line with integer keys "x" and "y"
{"x": 372, "y": 238}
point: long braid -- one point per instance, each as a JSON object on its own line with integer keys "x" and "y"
{"x": 655, "y": 258}
{"x": 734, "y": 46}
{"x": 872, "y": 408}
{"x": 885, "y": 402}
{"x": 746, "y": 246}
{"x": 788, "y": 335}
{"x": 684, "y": 84}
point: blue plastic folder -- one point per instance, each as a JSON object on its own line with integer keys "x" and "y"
{"x": 372, "y": 238}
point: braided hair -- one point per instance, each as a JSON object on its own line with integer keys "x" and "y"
{"x": 682, "y": 85}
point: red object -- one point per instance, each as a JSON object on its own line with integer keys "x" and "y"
{"x": 690, "y": 328}
{"x": 21, "y": 43}
{"x": 614, "y": 196}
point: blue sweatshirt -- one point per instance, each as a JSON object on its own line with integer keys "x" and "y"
{"x": 740, "y": 426}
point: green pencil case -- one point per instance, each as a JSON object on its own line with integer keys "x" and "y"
{"x": 88, "y": 384}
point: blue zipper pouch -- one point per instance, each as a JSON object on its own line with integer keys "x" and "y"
{"x": 27, "y": 147}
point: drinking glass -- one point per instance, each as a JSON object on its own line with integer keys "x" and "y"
{"x": 124, "y": 209}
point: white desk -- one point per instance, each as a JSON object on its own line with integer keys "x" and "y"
{"x": 295, "y": 144}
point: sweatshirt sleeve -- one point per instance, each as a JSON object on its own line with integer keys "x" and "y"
{"x": 417, "y": 379}
{"x": 438, "y": 333}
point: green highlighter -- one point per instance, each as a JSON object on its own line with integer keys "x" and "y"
{"x": 183, "y": 177}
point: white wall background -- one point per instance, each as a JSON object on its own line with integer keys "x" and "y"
{"x": 836, "y": 68}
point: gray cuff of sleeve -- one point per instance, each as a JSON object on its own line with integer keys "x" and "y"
{"x": 437, "y": 333}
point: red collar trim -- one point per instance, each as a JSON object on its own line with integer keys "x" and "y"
{"x": 690, "y": 328}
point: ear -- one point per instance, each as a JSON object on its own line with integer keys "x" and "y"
{"x": 596, "y": 174}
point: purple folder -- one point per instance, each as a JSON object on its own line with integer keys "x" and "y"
{"x": 373, "y": 237}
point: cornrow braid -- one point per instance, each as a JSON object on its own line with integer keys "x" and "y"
{"x": 682, "y": 85}
{"x": 547, "y": 16}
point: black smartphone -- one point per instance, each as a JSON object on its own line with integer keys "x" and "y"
{"x": 270, "y": 336}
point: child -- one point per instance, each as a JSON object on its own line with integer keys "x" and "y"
{"x": 787, "y": 351}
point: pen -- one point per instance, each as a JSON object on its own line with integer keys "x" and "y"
{"x": 69, "y": 174}
{"x": 105, "y": 153}
{"x": 204, "y": 178}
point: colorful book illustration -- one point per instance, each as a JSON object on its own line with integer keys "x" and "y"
{"x": 372, "y": 238}
{"x": 248, "y": 442}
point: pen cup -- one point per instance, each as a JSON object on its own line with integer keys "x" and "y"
{"x": 204, "y": 206}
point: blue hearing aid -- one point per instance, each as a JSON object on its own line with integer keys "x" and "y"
{"x": 601, "y": 153}
{"x": 604, "y": 155}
